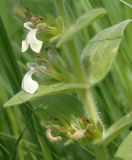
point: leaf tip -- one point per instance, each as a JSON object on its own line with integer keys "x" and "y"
{"x": 6, "y": 104}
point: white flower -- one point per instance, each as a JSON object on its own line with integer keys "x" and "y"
{"x": 77, "y": 135}
{"x": 49, "y": 134}
{"x": 28, "y": 84}
{"x": 51, "y": 137}
{"x": 31, "y": 39}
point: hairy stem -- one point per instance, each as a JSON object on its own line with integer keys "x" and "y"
{"x": 76, "y": 64}
{"x": 85, "y": 95}
{"x": 90, "y": 106}
{"x": 87, "y": 98}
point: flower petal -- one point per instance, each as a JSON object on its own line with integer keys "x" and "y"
{"x": 28, "y": 84}
{"x": 25, "y": 45}
{"x": 35, "y": 44}
{"x": 77, "y": 135}
{"x": 28, "y": 25}
{"x": 51, "y": 137}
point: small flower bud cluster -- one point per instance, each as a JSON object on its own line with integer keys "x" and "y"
{"x": 77, "y": 130}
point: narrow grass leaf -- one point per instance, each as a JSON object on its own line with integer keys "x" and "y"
{"x": 116, "y": 129}
{"x": 5, "y": 150}
{"x": 40, "y": 134}
{"x": 17, "y": 145}
{"x": 8, "y": 54}
{"x": 127, "y": 4}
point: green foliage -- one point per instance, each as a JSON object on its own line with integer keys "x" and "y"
{"x": 45, "y": 149}
{"x": 60, "y": 106}
{"x": 83, "y": 21}
{"x": 23, "y": 97}
{"x": 101, "y": 51}
{"x": 124, "y": 152}
{"x": 116, "y": 129}
{"x": 113, "y": 94}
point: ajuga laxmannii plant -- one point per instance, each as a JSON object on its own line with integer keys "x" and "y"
{"x": 58, "y": 68}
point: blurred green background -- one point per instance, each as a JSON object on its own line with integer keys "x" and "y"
{"x": 113, "y": 95}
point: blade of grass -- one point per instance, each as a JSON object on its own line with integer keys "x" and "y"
{"x": 115, "y": 129}
{"x": 40, "y": 134}
{"x": 127, "y": 4}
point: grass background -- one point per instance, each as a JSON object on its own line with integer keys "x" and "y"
{"x": 21, "y": 136}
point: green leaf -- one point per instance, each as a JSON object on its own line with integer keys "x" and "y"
{"x": 82, "y": 22}
{"x": 124, "y": 152}
{"x": 101, "y": 51}
{"x": 23, "y": 97}
{"x": 115, "y": 129}
{"x": 8, "y": 59}
{"x": 42, "y": 140}
{"x": 61, "y": 106}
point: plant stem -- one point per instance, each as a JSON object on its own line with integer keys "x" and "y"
{"x": 78, "y": 69}
{"x": 90, "y": 106}
{"x": 85, "y": 94}
{"x": 60, "y": 8}
{"x": 87, "y": 98}
{"x": 76, "y": 64}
